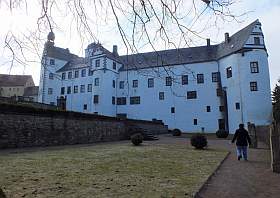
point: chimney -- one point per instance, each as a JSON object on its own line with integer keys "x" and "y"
{"x": 226, "y": 37}
{"x": 208, "y": 42}
{"x": 115, "y": 50}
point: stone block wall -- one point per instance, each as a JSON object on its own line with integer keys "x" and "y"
{"x": 263, "y": 134}
{"x": 26, "y": 128}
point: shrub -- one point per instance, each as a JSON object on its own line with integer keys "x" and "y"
{"x": 137, "y": 139}
{"x": 222, "y": 133}
{"x": 176, "y": 132}
{"x": 199, "y": 141}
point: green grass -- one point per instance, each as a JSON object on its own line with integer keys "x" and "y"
{"x": 111, "y": 170}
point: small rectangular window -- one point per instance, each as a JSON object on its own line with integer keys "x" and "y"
{"x": 68, "y": 90}
{"x": 121, "y": 85}
{"x": 135, "y": 100}
{"x": 135, "y": 83}
{"x": 62, "y": 90}
{"x": 51, "y": 76}
{"x": 191, "y": 95}
{"x": 168, "y": 81}
{"x": 69, "y": 75}
{"x": 75, "y": 89}
{"x": 172, "y": 109}
{"x": 237, "y": 105}
{"x": 82, "y": 89}
{"x": 113, "y": 100}
{"x": 89, "y": 87}
{"x": 84, "y": 71}
{"x": 221, "y": 108}
{"x": 96, "y": 82}
{"x": 52, "y": 61}
{"x": 114, "y": 65}
{"x": 50, "y": 91}
{"x": 200, "y": 78}
{"x": 121, "y": 101}
{"x": 253, "y": 86}
{"x": 76, "y": 74}
{"x": 63, "y": 76}
{"x": 194, "y": 121}
{"x": 254, "y": 67}
{"x": 95, "y": 99}
{"x": 161, "y": 95}
{"x": 85, "y": 106}
{"x": 97, "y": 63}
{"x": 208, "y": 109}
{"x": 92, "y": 62}
{"x": 150, "y": 82}
{"x": 215, "y": 76}
{"x": 185, "y": 79}
{"x": 229, "y": 72}
{"x": 114, "y": 84}
{"x": 257, "y": 41}
{"x": 90, "y": 72}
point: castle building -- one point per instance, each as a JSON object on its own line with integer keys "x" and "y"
{"x": 193, "y": 89}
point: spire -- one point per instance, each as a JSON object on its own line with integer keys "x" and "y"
{"x": 51, "y": 37}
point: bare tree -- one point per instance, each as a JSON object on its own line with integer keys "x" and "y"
{"x": 141, "y": 24}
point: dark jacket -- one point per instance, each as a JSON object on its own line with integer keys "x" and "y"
{"x": 242, "y": 137}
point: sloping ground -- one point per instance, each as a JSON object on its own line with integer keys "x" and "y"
{"x": 238, "y": 179}
{"x": 108, "y": 170}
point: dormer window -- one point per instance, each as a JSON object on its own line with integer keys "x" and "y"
{"x": 51, "y": 76}
{"x": 257, "y": 41}
{"x": 52, "y": 62}
{"x": 97, "y": 63}
{"x": 76, "y": 74}
{"x": 229, "y": 72}
{"x": 63, "y": 76}
{"x": 83, "y": 72}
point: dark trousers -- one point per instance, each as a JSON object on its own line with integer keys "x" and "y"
{"x": 242, "y": 151}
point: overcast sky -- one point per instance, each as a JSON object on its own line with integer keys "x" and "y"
{"x": 267, "y": 13}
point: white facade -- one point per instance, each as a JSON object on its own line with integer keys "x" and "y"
{"x": 105, "y": 79}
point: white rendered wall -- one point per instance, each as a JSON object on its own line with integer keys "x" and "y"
{"x": 257, "y": 105}
{"x": 175, "y": 96}
{"x": 46, "y": 83}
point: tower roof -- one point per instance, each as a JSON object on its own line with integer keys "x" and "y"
{"x": 160, "y": 58}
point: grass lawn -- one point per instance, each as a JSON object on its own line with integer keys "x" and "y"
{"x": 107, "y": 170}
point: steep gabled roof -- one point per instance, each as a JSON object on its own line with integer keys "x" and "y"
{"x": 59, "y": 53}
{"x": 160, "y": 58}
{"x": 169, "y": 57}
{"x": 14, "y": 80}
{"x": 188, "y": 55}
{"x": 74, "y": 63}
{"x": 236, "y": 41}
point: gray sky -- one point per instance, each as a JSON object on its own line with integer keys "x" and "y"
{"x": 24, "y": 21}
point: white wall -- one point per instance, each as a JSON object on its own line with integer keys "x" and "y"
{"x": 175, "y": 96}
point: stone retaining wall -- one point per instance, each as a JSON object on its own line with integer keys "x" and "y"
{"x": 23, "y": 127}
{"x": 263, "y": 134}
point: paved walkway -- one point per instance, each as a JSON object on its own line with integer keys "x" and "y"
{"x": 240, "y": 179}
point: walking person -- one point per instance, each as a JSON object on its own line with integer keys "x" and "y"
{"x": 242, "y": 139}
